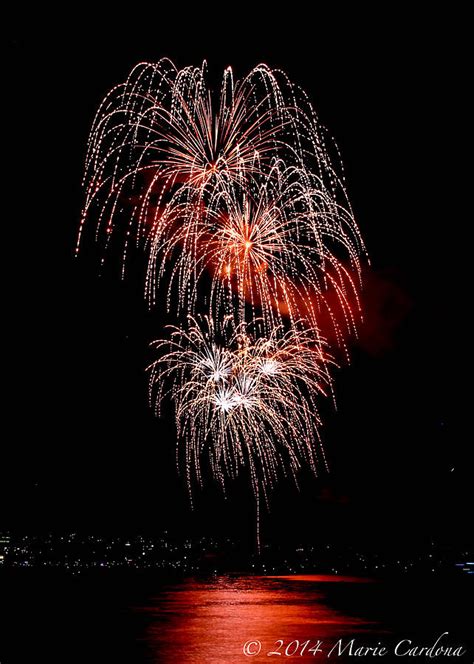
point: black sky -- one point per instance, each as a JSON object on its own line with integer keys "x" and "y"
{"x": 84, "y": 451}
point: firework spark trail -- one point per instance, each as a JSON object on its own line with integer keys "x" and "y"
{"x": 239, "y": 201}
{"x": 244, "y": 398}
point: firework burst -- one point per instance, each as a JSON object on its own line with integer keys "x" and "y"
{"x": 272, "y": 249}
{"x": 242, "y": 398}
{"x": 159, "y": 131}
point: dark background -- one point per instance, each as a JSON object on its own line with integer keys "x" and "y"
{"x": 83, "y": 451}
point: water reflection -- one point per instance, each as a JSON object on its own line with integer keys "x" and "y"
{"x": 209, "y": 622}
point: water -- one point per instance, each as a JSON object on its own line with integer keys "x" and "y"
{"x": 135, "y": 618}
{"x": 213, "y": 622}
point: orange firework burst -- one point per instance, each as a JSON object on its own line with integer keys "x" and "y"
{"x": 272, "y": 247}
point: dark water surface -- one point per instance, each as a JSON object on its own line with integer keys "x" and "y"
{"x": 136, "y": 617}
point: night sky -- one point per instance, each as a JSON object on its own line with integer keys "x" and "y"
{"x": 84, "y": 451}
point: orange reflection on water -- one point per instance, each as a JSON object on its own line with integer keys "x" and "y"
{"x": 209, "y": 622}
